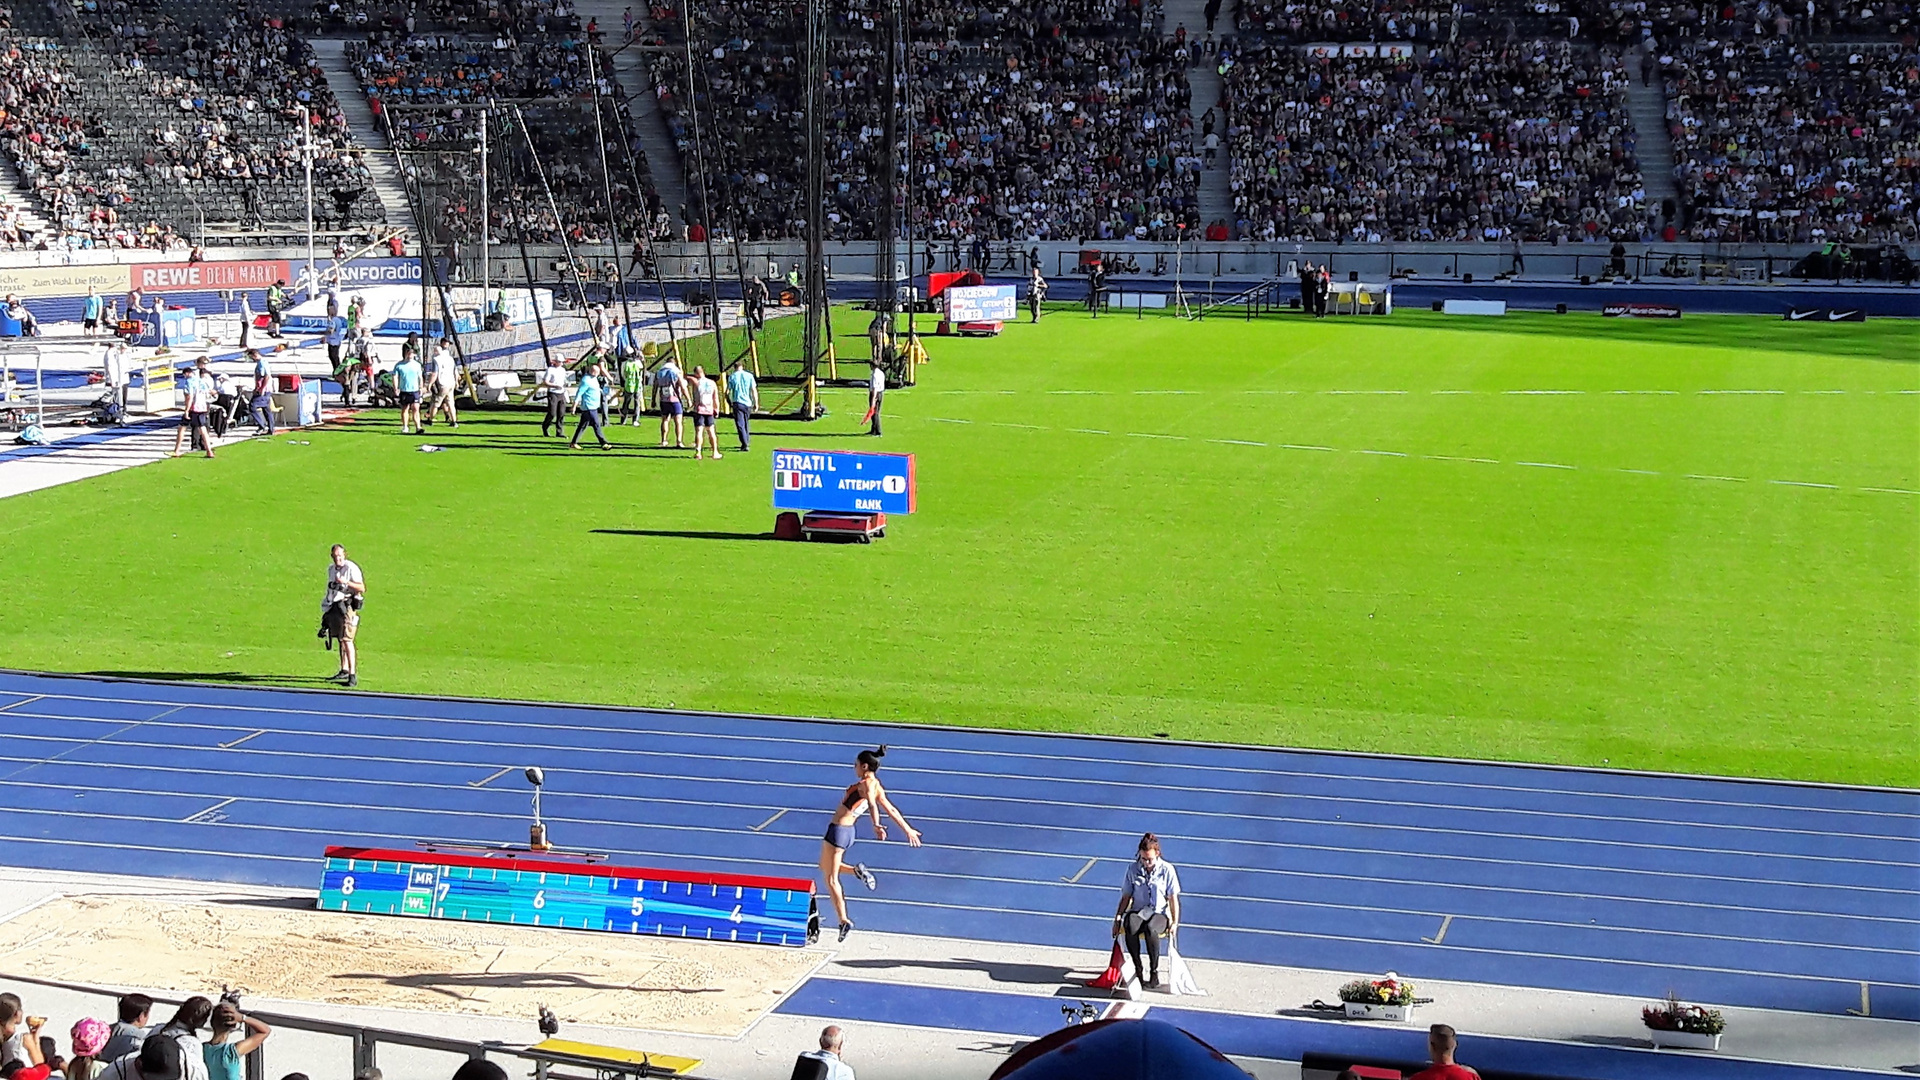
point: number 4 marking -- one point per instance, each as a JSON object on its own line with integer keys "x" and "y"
{"x": 734, "y": 917}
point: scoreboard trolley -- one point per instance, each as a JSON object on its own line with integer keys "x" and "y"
{"x": 532, "y": 891}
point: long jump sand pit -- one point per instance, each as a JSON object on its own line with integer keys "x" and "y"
{"x": 277, "y": 949}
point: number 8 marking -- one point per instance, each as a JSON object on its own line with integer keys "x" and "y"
{"x": 346, "y": 885}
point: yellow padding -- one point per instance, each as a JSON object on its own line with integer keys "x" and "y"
{"x": 590, "y": 1053}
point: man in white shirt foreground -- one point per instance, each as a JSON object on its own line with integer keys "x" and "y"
{"x": 829, "y": 1054}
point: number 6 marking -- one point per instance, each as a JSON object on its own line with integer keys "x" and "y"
{"x": 540, "y": 899}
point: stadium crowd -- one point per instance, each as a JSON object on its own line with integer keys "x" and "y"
{"x": 1473, "y": 141}
{"x": 1778, "y": 141}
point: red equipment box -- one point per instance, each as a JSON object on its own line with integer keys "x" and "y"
{"x": 834, "y": 524}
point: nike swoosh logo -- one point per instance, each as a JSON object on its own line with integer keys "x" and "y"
{"x": 1796, "y": 316}
{"x": 1836, "y": 316}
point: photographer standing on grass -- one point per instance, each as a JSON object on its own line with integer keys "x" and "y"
{"x": 340, "y": 612}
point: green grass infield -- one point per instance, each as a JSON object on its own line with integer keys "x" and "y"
{"x": 1689, "y": 546}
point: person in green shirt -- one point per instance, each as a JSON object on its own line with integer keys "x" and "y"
{"x": 744, "y": 394}
{"x": 633, "y": 383}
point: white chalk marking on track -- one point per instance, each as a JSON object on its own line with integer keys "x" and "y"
{"x": 777, "y": 815}
{"x": 197, "y": 818}
{"x": 1450, "y": 457}
{"x": 1381, "y": 453}
{"x": 1728, "y": 479}
{"x": 1638, "y": 472}
{"x": 1545, "y": 392}
{"x": 491, "y": 777}
{"x": 1152, "y": 435}
{"x": 1891, "y": 491}
{"x": 949, "y": 420}
{"x": 1743, "y": 391}
{"x": 1236, "y": 442}
{"x": 1082, "y": 872}
{"x": 23, "y": 701}
{"x": 241, "y": 739}
{"x": 1089, "y": 431}
{"x": 1298, "y": 446}
{"x": 1436, "y": 939}
{"x": 1803, "y": 483}
{"x": 1545, "y": 465}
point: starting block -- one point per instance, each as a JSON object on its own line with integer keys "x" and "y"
{"x": 607, "y": 1062}
{"x": 533, "y": 891}
{"x": 849, "y": 525}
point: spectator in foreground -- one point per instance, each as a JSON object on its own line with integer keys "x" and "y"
{"x": 19, "y": 1033}
{"x": 130, "y": 1030}
{"x": 1441, "y": 1043}
{"x": 89, "y": 1039}
{"x": 831, "y": 1039}
{"x": 235, "y": 1035}
{"x": 476, "y": 1069}
{"x": 158, "y": 1058}
{"x": 184, "y": 1030}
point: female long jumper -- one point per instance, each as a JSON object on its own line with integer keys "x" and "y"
{"x": 863, "y": 795}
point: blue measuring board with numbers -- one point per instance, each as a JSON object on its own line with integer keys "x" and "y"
{"x": 530, "y": 891}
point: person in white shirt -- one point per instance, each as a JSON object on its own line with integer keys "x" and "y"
{"x": 876, "y": 391}
{"x": 670, "y": 394}
{"x": 340, "y": 612}
{"x": 706, "y": 410}
{"x": 829, "y": 1053}
{"x": 442, "y": 380}
{"x": 198, "y": 390}
{"x": 118, "y": 363}
{"x": 554, "y": 382}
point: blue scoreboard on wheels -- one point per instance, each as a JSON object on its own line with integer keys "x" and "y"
{"x": 843, "y": 481}
{"x": 532, "y": 891}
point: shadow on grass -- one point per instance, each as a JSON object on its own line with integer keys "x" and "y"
{"x": 686, "y": 534}
{"x": 1885, "y": 339}
{"x": 243, "y": 677}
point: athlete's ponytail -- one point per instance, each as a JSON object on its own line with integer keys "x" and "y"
{"x": 871, "y": 758}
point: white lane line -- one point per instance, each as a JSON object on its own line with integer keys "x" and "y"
{"x": 1453, "y": 391}
{"x": 1823, "y": 391}
{"x": 1085, "y": 392}
{"x": 203, "y": 818}
{"x": 1275, "y": 900}
{"x": 547, "y": 724}
{"x": 1236, "y": 442}
{"x": 1367, "y": 801}
{"x": 1152, "y": 435}
{"x": 1728, "y": 479}
{"x": 1298, "y": 446}
{"x": 1029, "y": 427}
{"x": 491, "y": 777}
{"x": 1381, "y": 453}
{"x": 1742, "y": 391}
{"x": 241, "y": 739}
{"x": 1803, "y": 483}
{"x": 777, "y": 815}
{"x": 1544, "y": 465}
{"x": 1075, "y": 879}
{"x": 1363, "y": 391}
{"x": 1638, "y": 472}
{"x": 948, "y": 420}
{"x": 1891, "y": 491}
{"x": 1450, "y": 457}
{"x": 1090, "y": 431}
{"x": 23, "y": 701}
{"x": 1166, "y": 391}
{"x": 1549, "y": 393}
{"x": 1670, "y": 392}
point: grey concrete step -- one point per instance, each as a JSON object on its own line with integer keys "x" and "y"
{"x": 28, "y": 209}
{"x": 1647, "y": 105}
{"x": 367, "y": 129}
{"x": 630, "y": 71}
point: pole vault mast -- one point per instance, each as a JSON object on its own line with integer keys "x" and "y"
{"x": 814, "y": 343}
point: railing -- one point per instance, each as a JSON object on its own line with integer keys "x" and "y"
{"x": 364, "y": 1040}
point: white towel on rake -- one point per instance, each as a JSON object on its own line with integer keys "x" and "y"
{"x": 1179, "y": 976}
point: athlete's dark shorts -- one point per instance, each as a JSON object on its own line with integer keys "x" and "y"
{"x": 840, "y": 836}
{"x": 701, "y": 420}
{"x": 671, "y": 408}
{"x": 409, "y": 397}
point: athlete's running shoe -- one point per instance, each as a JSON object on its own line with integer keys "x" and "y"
{"x": 865, "y": 875}
{"x": 845, "y": 929}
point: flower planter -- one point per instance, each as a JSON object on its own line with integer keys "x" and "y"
{"x": 1683, "y": 1040}
{"x": 1362, "y": 1010}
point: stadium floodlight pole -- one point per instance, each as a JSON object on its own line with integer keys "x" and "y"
{"x": 306, "y": 159}
{"x": 606, "y": 187}
{"x": 700, "y": 172}
{"x": 559, "y": 223}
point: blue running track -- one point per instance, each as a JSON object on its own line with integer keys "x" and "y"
{"x": 1743, "y": 893}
